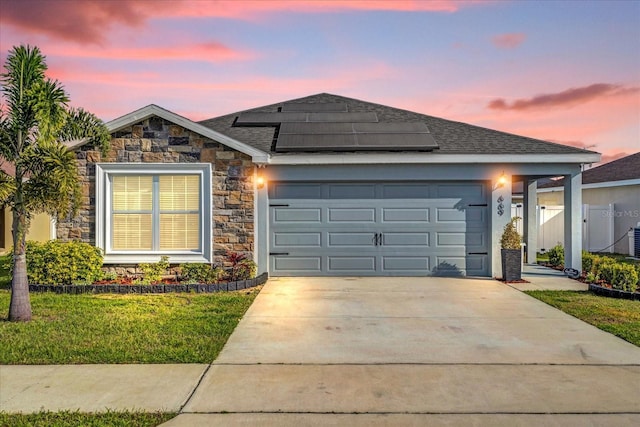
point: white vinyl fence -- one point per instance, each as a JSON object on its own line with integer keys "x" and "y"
{"x": 597, "y": 226}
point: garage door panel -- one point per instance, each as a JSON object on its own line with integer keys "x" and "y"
{"x": 351, "y": 264}
{"x": 451, "y": 239}
{"x": 352, "y": 191}
{"x": 406, "y": 191}
{"x": 297, "y": 264}
{"x": 297, "y": 215}
{"x": 294, "y": 240}
{"x": 352, "y": 215}
{"x": 365, "y": 239}
{"x": 295, "y": 191}
{"x": 406, "y": 239}
{"x": 408, "y": 264}
{"x": 465, "y": 191}
{"x": 467, "y": 216}
{"x": 411, "y": 215}
{"x": 461, "y": 239}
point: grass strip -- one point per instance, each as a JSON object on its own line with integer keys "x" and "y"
{"x": 107, "y": 328}
{"x": 617, "y": 316}
{"x": 73, "y": 419}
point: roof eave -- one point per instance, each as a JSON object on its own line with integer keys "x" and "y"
{"x": 429, "y": 158}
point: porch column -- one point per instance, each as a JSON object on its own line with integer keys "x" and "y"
{"x": 573, "y": 220}
{"x": 500, "y": 214}
{"x": 530, "y": 221}
{"x": 261, "y": 225}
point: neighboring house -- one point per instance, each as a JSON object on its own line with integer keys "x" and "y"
{"x": 41, "y": 229}
{"x": 611, "y": 194}
{"x": 321, "y": 185}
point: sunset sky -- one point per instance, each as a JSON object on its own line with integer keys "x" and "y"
{"x": 562, "y": 71}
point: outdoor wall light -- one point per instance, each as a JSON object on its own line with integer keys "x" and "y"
{"x": 260, "y": 181}
{"x": 502, "y": 180}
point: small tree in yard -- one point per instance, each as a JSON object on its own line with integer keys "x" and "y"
{"x": 39, "y": 174}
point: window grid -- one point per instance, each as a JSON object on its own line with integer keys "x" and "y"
{"x": 135, "y": 228}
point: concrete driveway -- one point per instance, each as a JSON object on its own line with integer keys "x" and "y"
{"x": 414, "y": 351}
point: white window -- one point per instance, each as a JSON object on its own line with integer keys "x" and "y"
{"x": 144, "y": 211}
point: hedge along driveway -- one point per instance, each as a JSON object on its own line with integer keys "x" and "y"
{"x": 167, "y": 328}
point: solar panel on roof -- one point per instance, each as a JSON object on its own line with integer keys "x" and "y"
{"x": 274, "y": 118}
{"x": 306, "y": 137}
{"x": 343, "y": 117}
{"x": 315, "y": 108}
{"x": 269, "y": 118}
{"x": 315, "y": 128}
{"x": 415, "y": 127}
{"x": 355, "y": 142}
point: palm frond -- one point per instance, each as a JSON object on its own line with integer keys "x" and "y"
{"x": 81, "y": 124}
{"x": 7, "y": 188}
{"x": 25, "y": 67}
{"x": 49, "y": 104}
{"x": 53, "y": 186}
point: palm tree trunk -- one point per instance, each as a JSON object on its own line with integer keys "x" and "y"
{"x": 20, "y": 305}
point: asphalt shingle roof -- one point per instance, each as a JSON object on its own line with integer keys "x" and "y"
{"x": 618, "y": 170}
{"x": 452, "y": 137}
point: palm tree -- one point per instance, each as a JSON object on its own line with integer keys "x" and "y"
{"x": 39, "y": 174}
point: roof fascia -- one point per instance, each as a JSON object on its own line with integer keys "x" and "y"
{"x": 429, "y": 158}
{"x": 257, "y": 156}
{"x": 606, "y": 184}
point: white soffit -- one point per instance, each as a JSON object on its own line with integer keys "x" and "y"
{"x": 429, "y": 158}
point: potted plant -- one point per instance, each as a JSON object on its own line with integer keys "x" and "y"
{"x": 511, "y": 253}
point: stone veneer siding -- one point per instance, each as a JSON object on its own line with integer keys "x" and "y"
{"x": 156, "y": 140}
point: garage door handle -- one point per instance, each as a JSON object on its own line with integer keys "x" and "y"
{"x": 278, "y": 253}
{"x": 377, "y": 239}
{"x": 478, "y": 253}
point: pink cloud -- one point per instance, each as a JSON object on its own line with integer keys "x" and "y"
{"x": 606, "y": 158}
{"x": 566, "y": 98}
{"x": 508, "y": 40}
{"x": 85, "y": 22}
{"x": 207, "y": 52}
{"x": 89, "y": 21}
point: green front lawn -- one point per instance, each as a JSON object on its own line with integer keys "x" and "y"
{"x": 165, "y": 328}
{"x": 617, "y": 316}
{"x": 73, "y": 419}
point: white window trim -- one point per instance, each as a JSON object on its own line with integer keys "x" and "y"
{"x": 103, "y": 207}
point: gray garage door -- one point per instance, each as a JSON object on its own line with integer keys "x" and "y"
{"x": 378, "y": 229}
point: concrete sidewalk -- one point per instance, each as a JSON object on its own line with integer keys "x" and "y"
{"x": 96, "y": 388}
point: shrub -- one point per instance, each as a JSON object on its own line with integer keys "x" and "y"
{"x": 606, "y": 271}
{"x": 242, "y": 268}
{"x": 587, "y": 261}
{"x": 510, "y": 238}
{"x": 246, "y": 269}
{"x": 592, "y": 277}
{"x": 556, "y": 256}
{"x": 201, "y": 273}
{"x": 625, "y": 278}
{"x": 152, "y": 272}
{"x": 63, "y": 263}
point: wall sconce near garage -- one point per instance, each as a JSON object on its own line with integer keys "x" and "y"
{"x": 260, "y": 181}
{"x": 502, "y": 180}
